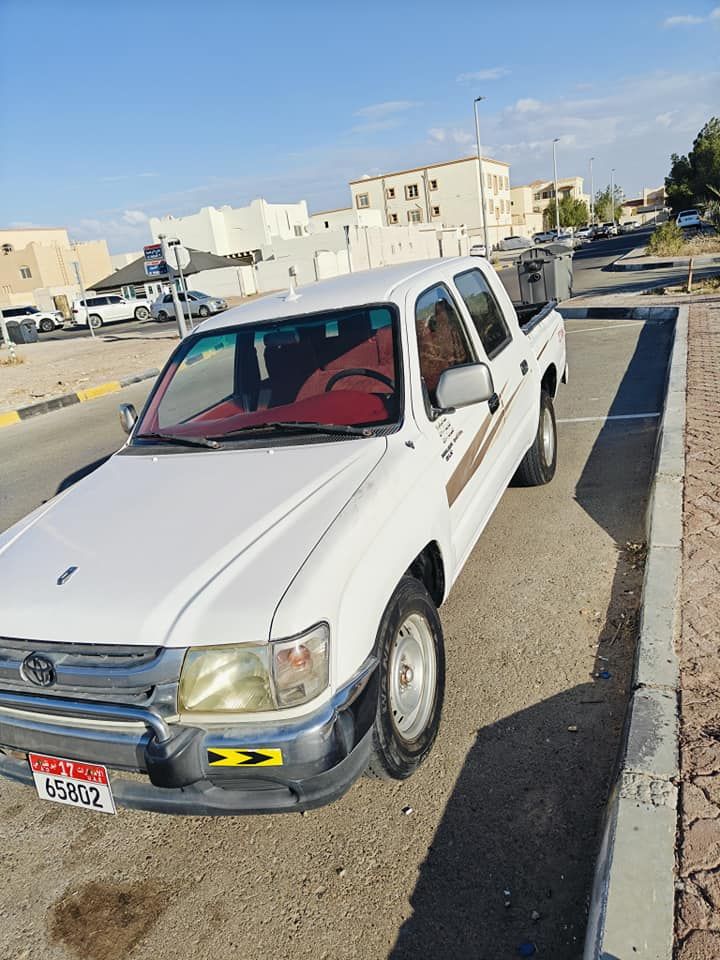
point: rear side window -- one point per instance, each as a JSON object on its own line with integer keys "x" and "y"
{"x": 114, "y": 300}
{"x": 484, "y": 310}
{"x": 14, "y": 312}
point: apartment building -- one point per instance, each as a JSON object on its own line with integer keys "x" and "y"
{"x": 441, "y": 194}
{"x": 344, "y": 217}
{"x": 36, "y": 265}
{"x": 229, "y": 231}
{"x": 531, "y": 200}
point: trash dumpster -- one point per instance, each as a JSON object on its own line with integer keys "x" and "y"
{"x": 22, "y": 331}
{"x": 545, "y": 273}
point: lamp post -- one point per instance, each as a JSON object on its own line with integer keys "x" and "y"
{"x": 612, "y": 194}
{"x": 557, "y": 199}
{"x": 592, "y": 193}
{"x": 480, "y": 173}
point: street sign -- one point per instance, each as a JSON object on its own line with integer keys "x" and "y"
{"x": 176, "y": 255}
{"x": 159, "y": 269}
{"x": 155, "y": 265}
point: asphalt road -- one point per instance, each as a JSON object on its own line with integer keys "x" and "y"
{"x": 499, "y": 847}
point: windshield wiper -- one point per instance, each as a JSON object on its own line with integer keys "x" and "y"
{"x": 299, "y": 426}
{"x": 180, "y": 441}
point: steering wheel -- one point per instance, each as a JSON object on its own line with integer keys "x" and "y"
{"x": 358, "y": 372}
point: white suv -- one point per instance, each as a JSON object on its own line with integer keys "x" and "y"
{"x": 45, "y": 320}
{"x": 107, "y": 309}
{"x": 688, "y": 218}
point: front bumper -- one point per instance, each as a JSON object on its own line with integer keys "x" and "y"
{"x": 322, "y": 754}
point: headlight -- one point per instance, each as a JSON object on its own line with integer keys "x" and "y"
{"x": 254, "y": 678}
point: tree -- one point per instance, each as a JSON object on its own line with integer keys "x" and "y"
{"x": 695, "y": 179}
{"x": 573, "y": 212}
{"x": 605, "y": 210}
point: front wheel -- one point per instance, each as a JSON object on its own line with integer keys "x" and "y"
{"x": 538, "y": 464}
{"x": 162, "y": 316}
{"x": 412, "y": 682}
{"x": 46, "y": 325}
{"x": 95, "y": 321}
{"x": 203, "y": 311}
{"x": 142, "y": 313}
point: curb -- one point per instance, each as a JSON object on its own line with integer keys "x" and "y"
{"x": 631, "y": 911}
{"x": 619, "y": 266}
{"x": 68, "y": 399}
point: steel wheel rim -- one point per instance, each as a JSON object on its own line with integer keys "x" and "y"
{"x": 412, "y": 677}
{"x": 548, "y": 436}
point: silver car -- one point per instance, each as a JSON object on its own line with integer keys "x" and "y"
{"x": 201, "y": 305}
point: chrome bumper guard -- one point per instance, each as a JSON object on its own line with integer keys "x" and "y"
{"x": 323, "y": 753}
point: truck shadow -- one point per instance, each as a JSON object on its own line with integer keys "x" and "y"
{"x": 511, "y": 863}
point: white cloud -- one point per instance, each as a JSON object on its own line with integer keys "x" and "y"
{"x": 134, "y": 216}
{"x": 491, "y": 73}
{"x": 691, "y": 19}
{"x": 454, "y": 135}
{"x": 665, "y": 119}
{"x": 528, "y": 105}
{"x": 378, "y": 110}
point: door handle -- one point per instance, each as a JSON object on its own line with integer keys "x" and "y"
{"x": 524, "y": 367}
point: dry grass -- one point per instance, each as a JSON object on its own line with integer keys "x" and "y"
{"x": 706, "y": 285}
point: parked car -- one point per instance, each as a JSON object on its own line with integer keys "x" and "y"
{"x": 566, "y": 237}
{"x": 201, "y": 305}
{"x": 478, "y": 250}
{"x": 514, "y": 243}
{"x": 604, "y": 230}
{"x": 584, "y": 233}
{"x": 107, "y": 309}
{"x": 45, "y": 321}
{"x": 247, "y": 632}
{"x": 689, "y": 219}
{"x": 547, "y": 236}
{"x": 629, "y": 226}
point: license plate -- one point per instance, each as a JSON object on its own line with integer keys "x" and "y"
{"x": 76, "y": 784}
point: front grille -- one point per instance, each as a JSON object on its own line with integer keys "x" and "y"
{"x": 135, "y": 676}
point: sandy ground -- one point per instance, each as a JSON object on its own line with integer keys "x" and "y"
{"x": 62, "y": 366}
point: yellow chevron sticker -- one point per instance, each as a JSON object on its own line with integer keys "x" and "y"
{"x": 262, "y": 757}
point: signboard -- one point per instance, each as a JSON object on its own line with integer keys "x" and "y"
{"x": 155, "y": 265}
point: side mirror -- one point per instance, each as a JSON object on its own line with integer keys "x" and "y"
{"x": 128, "y": 416}
{"x": 464, "y": 385}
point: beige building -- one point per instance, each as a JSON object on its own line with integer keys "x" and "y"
{"x": 344, "y": 217}
{"x": 441, "y": 194}
{"x": 36, "y": 266}
{"x": 531, "y": 200}
{"x": 648, "y": 208}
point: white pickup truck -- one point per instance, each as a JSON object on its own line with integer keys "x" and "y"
{"x": 240, "y": 607}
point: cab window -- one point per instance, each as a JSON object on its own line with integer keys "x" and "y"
{"x": 441, "y": 337}
{"x": 484, "y": 311}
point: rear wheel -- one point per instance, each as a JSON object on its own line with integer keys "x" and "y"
{"x": 142, "y": 313}
{"x": 162, "y": 316}
{"x": 412, "y": 682}
{"x": 538, "y": 464}
{"x": 95, "y": 321}
{"x": 46, "y": 325}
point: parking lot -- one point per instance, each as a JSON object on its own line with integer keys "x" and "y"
{"x": 492, "y": 844}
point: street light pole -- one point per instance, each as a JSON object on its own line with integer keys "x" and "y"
{"x": 78, "y": 275}
{"x": 557, "y": 199}
{"x": 482, "y": 179}
{"x": 592, "y": 193}
{"x": 612, "y": 194}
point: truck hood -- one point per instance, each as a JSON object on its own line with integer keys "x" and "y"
{"x": 176, "y": 549}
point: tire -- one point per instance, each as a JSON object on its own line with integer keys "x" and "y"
{"x": 203, "y": 312}
{"x": 142, "y": 313}
{"x": 95, "y": 321}
{"x": 409, "y": 641}
{"x": 538, "y": 464}
{"x": 46, "y": 325}
{"x": 162, "y": 316}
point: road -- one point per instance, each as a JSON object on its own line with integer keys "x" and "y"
{"x": 505, "y": 814}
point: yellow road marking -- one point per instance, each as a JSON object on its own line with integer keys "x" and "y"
{"x": 7, "y": 418}
{"x": 92, "y": 392}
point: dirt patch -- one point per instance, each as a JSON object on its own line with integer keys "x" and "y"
{"x": 100, "y": 921}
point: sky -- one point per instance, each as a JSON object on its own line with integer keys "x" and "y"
{"x": 116, "y": 110}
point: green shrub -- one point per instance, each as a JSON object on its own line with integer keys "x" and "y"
{"x": 666, "y": 240}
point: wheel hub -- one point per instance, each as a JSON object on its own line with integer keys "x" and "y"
{"x": 412, "y": 677}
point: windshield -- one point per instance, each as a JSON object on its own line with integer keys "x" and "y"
{"x": 196, "y": 293}
{"x": 338, "y": 367}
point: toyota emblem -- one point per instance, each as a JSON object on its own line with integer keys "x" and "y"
{"x": 38, "y": 669}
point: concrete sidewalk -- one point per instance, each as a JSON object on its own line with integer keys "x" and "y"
{"x": 698, "y": 895}
{"x": 636, "y": 259}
